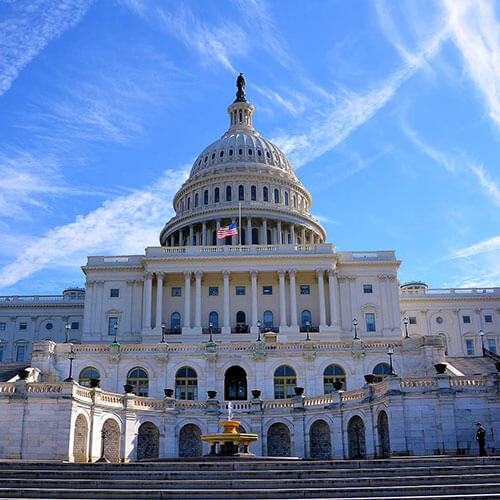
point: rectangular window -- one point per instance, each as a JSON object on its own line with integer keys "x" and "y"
{"x": 466, "y": 319}
{"x": 492, "y": 345}
{"x": 112, "y": 321}
{"x": 213, "y": 291}
{"x": 240, "y": 290}
{"x": 267, "y": 290}
{"x": 413, "y": 320}
{"x": 1, "y": 353}
{"x": 23, "y": 326}
{"x": 488, "y": 318}
{"x": 20, "y": 353}
{"x": 305, "y": 289}
{"x": 75, "y": 325}
{"x": 367, "y": 288}
{"x": 370, "y": 322}
{"x": 469, "y": 346}
{"x": 176, "y": 291}
{"x": 114, "y": 292}
{"x": 3, "y": 326}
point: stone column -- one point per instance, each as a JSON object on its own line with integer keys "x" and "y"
{"x": 264, "y": 231}
{"x": 197, "y": 314}
{"x": 187, "y": 299}
{"x": 204, "y": 233}
{"x": 255, "y": 312}
{"x": 226, "y": 327}
{"x": 334, "y": 308}
{"x": 281, "y": 275}
{"x": 303, "y": 235}
{"x": 279, "y": 233}
{"x": 191, "y": 232}
{"x": 292, "y": 233}
{"x": 293, "y": 299}
{"x": 249, "y": 231}
{"x": 146, "y": 302}
{"x": 321, "y": 293}
{"x": 181, "y": 238}
{"x": 217, "y": 241}
{"x": 159, "y": 300}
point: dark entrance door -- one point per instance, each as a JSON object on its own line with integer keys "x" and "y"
{"x": 235, "y": 384}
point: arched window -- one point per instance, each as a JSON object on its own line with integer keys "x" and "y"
{"x": 196, "y": 199}
{"x": 305, "y": 317}
{"x": 186, "y": 384}
{"x": 276, "y": 196}
{"x": 205, "y": 197}
{"x": 86, "y": 374}
{"x": 286, "y": 198}
{"x": 268, "y": 319}
{"x": 265, "y": 194}
{"x": 285, "y": 381}
{"x": 253, "y": 193}
{"x": 381, "y": 371}
{"x": 189, "y": 203}
{"x": 241, "y": 193}
{"x": 294, "y": 202}
{"x": 332, "y": 374}
{"x": 138, "y": 379}
{"x": 228, "y": 193}
{"x": 240, "y": 317}
{"x": 216, "y": 195}
{"x": 175, "y": 321}
{"x": 213, "y": 318}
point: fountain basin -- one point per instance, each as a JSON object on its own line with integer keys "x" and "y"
{"x": 229, "y": 440}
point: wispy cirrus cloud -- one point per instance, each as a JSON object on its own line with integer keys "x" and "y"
{"x": 125, "y": 225}
{"x": 28, "y": 26}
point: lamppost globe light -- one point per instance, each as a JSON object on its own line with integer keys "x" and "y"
{"x": 390, "y": 350}
{"x": 67, "y": 328}
{"x": 163, "y": 325}
{"x": 481, "y": 333}
{"x": 355, "y": 322}
{"x": 210, "y": 324}
{"x": 259, "y": 323}
{"x": 406, "y": 321}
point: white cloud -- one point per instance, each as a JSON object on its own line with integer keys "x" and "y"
{"x": 28, "y": 28}
{"x": 490, "y": 187}
{"x": 122, "y": 225}
{"x": 476, "y": 32}
{"x": 486, "y": 246}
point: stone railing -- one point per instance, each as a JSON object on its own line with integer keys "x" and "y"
{"x": 82, "y": 392}
{"x": 238, "y": 405}
{"x": 318, "y": 400}
{"x": 457, "y": 292}
{"x": 190, "y": 405}
{"x": 418, "y": 383}
{"x": 352, "y": 395}
{"x": 7, "y": 388}
{"x": 468, "y": 382}
{"x": 45, "y": 387}
{"x": 273, "y": 404}
{"x": 109, "y": 399}
{"x": 149, "y": 403}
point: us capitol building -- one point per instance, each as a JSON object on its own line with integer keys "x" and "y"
{"x": 321, "y": 352}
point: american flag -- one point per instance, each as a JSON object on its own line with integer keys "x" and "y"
{"x": 230, "y": 230}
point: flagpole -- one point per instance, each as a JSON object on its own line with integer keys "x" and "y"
{"x": 239, "y": 221}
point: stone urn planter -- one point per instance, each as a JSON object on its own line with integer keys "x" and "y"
{"x": 369, "y": 378}
{"x": 299, "y": 391}
{"x": 23, "y": 374}
{"x": 440, "y": 368}
{"x": 337, "y": 385}
{"x": 168, "y": 393}
{"x": 94, "y": 382}
{"x": 128, "y": 388}
{"x": 212, "y": 394}
{"x": 256, "y": 394}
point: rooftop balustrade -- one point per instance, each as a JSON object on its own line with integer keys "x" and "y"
{"x": 450, "y": 292}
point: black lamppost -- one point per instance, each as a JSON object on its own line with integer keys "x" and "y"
{"x": 481, "y": 334}
{"x": 103, "y": 457}
{"x": 115, "y": 339}
{"x": 163, "y": 332}
{"x": 308, "y": 326}
{"x": 355, "y": 324}
{"x": 67, "y": 328}
{"x": 210, "y": 331}
{"x": 406, "y": 321}
{"x": 71, "y": 357}
{"x": 390, "y": 352}
{"x": 259, "y": 326}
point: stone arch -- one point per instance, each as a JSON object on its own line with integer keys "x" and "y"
{"x": 190, "y": 441}
{"x": 356, "y": 437}
{"x": 383, "y": 434}
{"x": 111, "y": 439}
{"x": 320, "y": 440}
{"x": 80, "y": 439}
{"x": 148, "y": 441}
{"x": 278, "y": 440}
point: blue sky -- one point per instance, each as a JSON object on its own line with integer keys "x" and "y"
{"x": 389, "y": 111}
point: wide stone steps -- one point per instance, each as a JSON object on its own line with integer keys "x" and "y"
{"x": 425, "y": 478}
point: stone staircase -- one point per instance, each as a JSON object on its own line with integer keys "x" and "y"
{"x": 415, "y": 478}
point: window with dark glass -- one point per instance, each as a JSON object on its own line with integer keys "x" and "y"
{"x": 241, "y": 193}
{"x": 205, "y": 197}
{"x": 305, "y": 289}
{"x": 466, "y": 319}
{"x": 139, "y": 380}
{"x": 75, "y": 325}
{"x": 3, "y": 326}
{"x": 367, "y": 288}
{"x": 112, "y": 321}
{"x": 276, "y": 196}
{"x": 23, "y": 326}
{"x": 189, "y": 203}
{"x": 213, "y": 291}
{"x": 286, "y": 198}
{"x": 196, "y": 200}
{"x": 213, "y": 318}
{"x": 488, "y": 318}
{"x": 86, "y": 374}
{"x": 333, "y": 373}
{"x": 469, "y": 346}
{"x": 240, "y": 151}
{"x": 305, "y": 318}
{"x": 230, "y": 152}
{"x": 370, "y": 322}
{"x": 175, "y": 321}
{"x": 253, "y": 193}
{"x": 492, "y": 345}
{"x": 114, "y": 292}
{"x": 186, "y": 384}
{"x": 240, "y": 290}
{"x": 20, "y": 352}
{"x": 268, "y": 319}
{"x": 285, "y": 381}
{"x": 267, "y": 290}
{"x": 176, "y": 291}
{"x": 381, "y": 371}
{"x": 265, "y": 194}
{"x": 412, "y": 320}
{"x": 228, "y": 193}
{"x": 216, "y": 195}
{"x": 1, "y": 353}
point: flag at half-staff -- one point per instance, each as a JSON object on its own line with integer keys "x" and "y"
{"x": 231, "y": 230}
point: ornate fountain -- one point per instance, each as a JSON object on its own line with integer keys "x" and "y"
{"x": 231, "y": 442}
